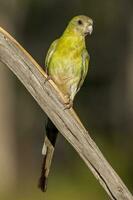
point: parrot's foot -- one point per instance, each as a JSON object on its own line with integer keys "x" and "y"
{"x": 47, "y": 79}
{"x": 68, "y": 103}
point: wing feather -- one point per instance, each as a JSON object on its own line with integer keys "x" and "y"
{"x": 50, "y": 53}
{"x": 85, "y": 65}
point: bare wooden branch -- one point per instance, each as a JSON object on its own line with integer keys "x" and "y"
{"x": 51, "y": 100}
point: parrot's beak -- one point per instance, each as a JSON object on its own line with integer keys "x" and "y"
{"x": 90, "y": 29}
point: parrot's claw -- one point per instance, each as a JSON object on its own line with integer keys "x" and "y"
{"x": 47, "y": 79}
{"x": 68, "y": 103}
{"x": 68, "y": 106}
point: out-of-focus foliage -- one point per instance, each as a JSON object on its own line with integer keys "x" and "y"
{"x": 104, "y": 104}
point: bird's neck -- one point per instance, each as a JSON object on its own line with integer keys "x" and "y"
{"x": 73, "y": 38}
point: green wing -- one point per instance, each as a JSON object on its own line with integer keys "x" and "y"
{"x": 50, "y": 53}
{"x": 85, "y": 64}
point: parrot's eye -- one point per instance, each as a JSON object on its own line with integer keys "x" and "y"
{"x": 80, "y": 22}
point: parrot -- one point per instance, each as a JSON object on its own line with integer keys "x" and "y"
{"x": 66, "y": 63}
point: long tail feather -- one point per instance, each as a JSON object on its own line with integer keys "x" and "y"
{"x": 47, "y": 151}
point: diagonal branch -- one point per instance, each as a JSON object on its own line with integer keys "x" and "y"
{"x": 51, "y": 100}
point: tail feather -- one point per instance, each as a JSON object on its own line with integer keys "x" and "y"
{"x": 47, "y": 151}
{"x": 42, "y": 184}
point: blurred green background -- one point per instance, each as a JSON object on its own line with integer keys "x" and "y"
{"x": 104, "y": 104}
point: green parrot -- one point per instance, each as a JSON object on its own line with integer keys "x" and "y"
{"x": 66, "y": 64}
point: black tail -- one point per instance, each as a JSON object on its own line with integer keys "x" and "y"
{"x": 48, "y": 151}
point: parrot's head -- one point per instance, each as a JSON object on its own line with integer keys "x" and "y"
{"x": 81, "y": 24}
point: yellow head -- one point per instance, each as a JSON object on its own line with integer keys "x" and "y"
{"x": 81, "y": 24}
